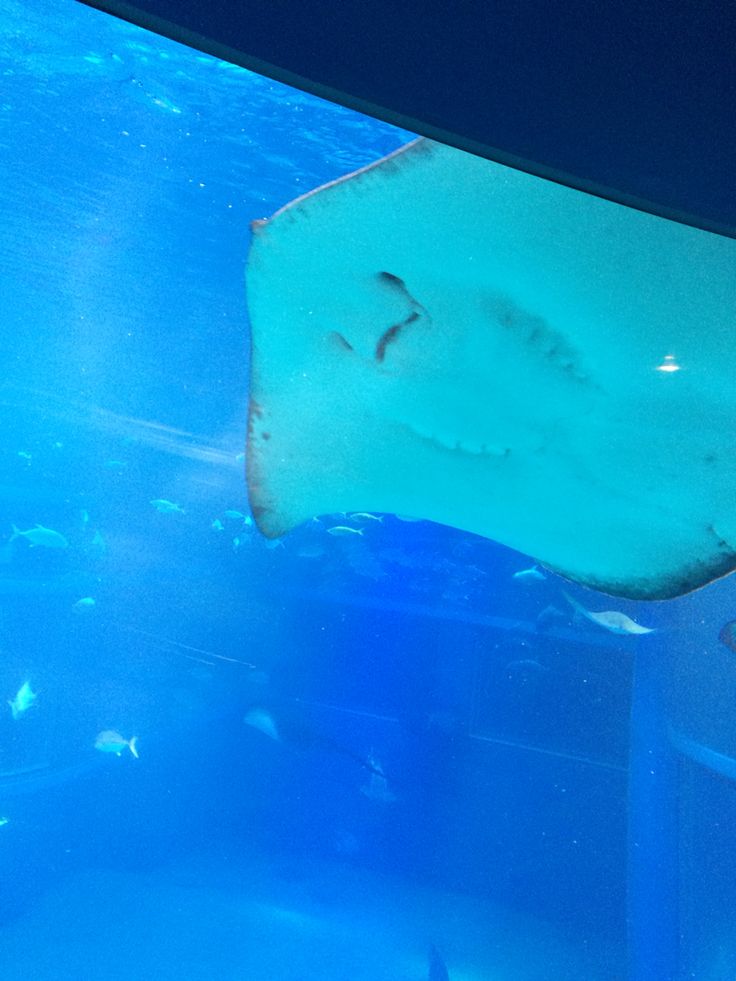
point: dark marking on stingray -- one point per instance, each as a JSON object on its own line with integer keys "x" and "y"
{"x": 265, "y": 435}
{"x": 418, "y": 312}
{"x": 548, "y": 343}
{"x": 723, "y": 545}
{"x": 342, "y": 341}
{"x": 393, "y": 280}
{"x": 385, "y": 339}
{"x": 391, "y": 334}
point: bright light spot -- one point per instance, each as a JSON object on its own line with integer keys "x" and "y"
{"x": 669, "y": 364}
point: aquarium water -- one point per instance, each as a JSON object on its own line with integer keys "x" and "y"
{"x": 374, "y": 749}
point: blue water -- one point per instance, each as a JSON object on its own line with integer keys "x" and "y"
{"x": 453, "y": 756}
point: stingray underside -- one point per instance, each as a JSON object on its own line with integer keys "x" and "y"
{"x": 442, "y": 336}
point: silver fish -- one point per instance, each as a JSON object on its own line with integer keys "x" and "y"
{"x": 611, "y": 620}
{"x": 342, "y": 531}
{"x": 23, "y": 700}
{"x": 262, "y": 720}
{"x": 167, "y": 507}
{"x": 534, "y": 574}
{"x": 110, "y": 741}
{"x": 377, "y": 787}
{"x": 45, "y": 537}
{"x": 98, "y": 543}
{"x": 84, "y": 605}
{"x": 310, "y": 552}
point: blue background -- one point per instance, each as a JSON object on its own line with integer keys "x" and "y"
{"x": 131, "y": 168}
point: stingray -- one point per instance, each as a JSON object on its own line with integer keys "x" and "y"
{"x": 442, "y": 336}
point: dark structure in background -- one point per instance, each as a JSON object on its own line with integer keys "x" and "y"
{"x": 633, "y": 101}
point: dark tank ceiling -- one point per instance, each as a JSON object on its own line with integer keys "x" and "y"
{"x": 633, "y": 101}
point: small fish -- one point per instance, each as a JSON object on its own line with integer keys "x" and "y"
{"x": 25, "y": 456}
{"x": 550, "y": 616}
{"x": 217, "y": 525}
{"x": 611, "y": 620}
{"x": 342, "y": 531}
{"x": 167, "y": 507}
{"x": 22, "y": 701}
{"x": 98, "y": 543}
{"x": 526, "y": 672}
{"x": 407, "y": 517}
{"x": 437, "y": 967}
{"x": 109, "y": 741}
{"x": 262, "y": 721}
{"x": 84, "y": 516}
{"x": 534, "y": 574}
{"x": 4, "y": 821}
{"x": 39, "y": 535}
{"x": 233, "y": 515}
{"x": 310, "y": 552}
{"x": 377, "y": 787}
{"x": 84, "y": 605}
{"x": 274, "y": 543}
{"x": 365, "y": 517}
{"x": 240, "y": 458}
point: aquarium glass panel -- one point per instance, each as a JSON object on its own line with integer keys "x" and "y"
{"x": 374, "y": 650}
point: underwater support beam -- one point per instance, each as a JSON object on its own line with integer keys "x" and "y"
{"x": 653, "y": 907}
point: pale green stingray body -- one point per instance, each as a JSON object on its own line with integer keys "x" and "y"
{"x": 445, "y": 337}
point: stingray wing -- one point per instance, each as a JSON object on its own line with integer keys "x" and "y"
{"x": 443, "y": 336}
